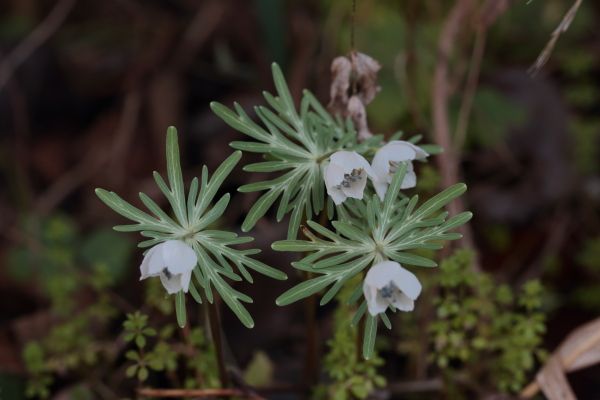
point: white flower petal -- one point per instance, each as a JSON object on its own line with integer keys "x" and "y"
{"x": 402, "y": 302}
{"x": 375, "y": 303}
{"x": 396, "y": 151}
{"x": 346, "y": 159}
{"x": 381, "y": 274}
{"x": 186, "y": 277}
{"x": 380, "y": 188}
{"x": 145, "y": 266}
{"x": 406, "y": 281}
{"x": 420, "y": 154}
{"x": 349, "y": 160}
{"x": 178, "y": 256}
{"x": 155, "y": 260}
{"x": 173, "y": 284}
{"x": 410, "y": 180}
{"x": 334, "y": 175}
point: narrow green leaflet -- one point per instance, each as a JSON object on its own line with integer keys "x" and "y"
{"x": 193, "y": 214}
{"x": 180, "y": 310}
{"x": 370, "y": 336}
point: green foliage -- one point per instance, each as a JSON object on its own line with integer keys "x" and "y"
{"x": 201, "y": 364}
{"x": 369, "y": 232}
{"x": 160, "y": 352}
{"x": 192, "y": 219}
{"x": 351, "y": 376}
{"x": 40, "y": 378}
{"x": 58, "y": 251}
{"x": 485, "y": 328}
{"x": 296, "y": 142}
{"x": 69, "y": 344}
{"x": 136, "y": 330}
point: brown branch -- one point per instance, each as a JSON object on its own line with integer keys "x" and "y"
{"x": 199, "y": 393}
{"x": 36, "y": 38}
{"x": 560, "y": 29}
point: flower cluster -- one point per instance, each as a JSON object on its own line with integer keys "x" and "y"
{"x": 387, "y": 283}
{"x": 345, "y": 175}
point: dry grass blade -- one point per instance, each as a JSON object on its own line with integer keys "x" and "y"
{"x": 579, "y": 350}
{"x": 560, "y": 29}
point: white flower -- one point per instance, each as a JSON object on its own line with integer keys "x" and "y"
{"x": 388, "y": 284}
{"x": 386, "y": 162}
{"x": 173, "y": 261}
{"x": 346, "y": 176}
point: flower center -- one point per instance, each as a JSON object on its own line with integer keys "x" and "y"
{"x": 167, "y": 273}
{"x": 388, "y": 292}
{"x": 354, "y": 176}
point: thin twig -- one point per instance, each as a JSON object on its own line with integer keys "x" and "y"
{"x": 352, "y": 25}
{"x": 560, "y": 29}
{"x": 34, "y": 40}
{"x": 426, "y": 385}
{"x": 199, "y": 393}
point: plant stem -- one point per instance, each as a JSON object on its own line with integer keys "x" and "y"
{"x": 214, "y": 320}
{"x": 310, "y": 365}
{"x": 360, "y": 337}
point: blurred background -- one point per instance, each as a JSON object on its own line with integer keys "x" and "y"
{"x": 88, "y": 88}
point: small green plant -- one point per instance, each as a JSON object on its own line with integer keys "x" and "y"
{"x": 185, "y": 244}
{"x": 69, "y": 344}
{"x": 351, "y": 376}
{"x": 161, "y": 352}
{"x": 484, "y": 328}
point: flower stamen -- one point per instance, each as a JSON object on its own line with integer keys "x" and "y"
{"x": 354, "y": 176}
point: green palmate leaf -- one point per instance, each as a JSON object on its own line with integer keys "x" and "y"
{"x": 193, "y": 216}
{"x": 296, "y": 145}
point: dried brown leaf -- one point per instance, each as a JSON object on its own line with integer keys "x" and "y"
{"x": 353, "y": 87}
{"x": 553, "y": 381}
{"x": 341, "y": 69}
{"x": 579, "y": 350}
{"x": 365, "y": 70}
